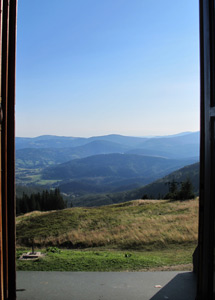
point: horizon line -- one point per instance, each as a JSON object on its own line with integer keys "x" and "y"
{"x": 110, "y": 134}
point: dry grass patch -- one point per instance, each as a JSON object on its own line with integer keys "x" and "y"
{"x": 134, "y": 224}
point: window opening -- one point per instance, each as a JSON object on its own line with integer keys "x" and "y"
{"x": 124, "y": 79}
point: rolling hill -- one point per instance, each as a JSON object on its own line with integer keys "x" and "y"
{"x": 44, "y": 151}
{"x": 48, "y": 141}
{"x": 171, "y": 147}
{"x": 153, "y": 190}
{"x": 140, "y": 235}
{"x": 119, "y": 166}
{"x": 140, "y": 224}
{"x": 52, "y": 141}
{"x": 44, "y": 157}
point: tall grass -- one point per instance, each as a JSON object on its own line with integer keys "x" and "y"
{"x": 139, "y": 224}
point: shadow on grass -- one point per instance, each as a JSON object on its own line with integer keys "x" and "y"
{"x": 181, "y": 287}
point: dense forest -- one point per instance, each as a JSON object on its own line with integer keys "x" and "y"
{"x": 47, "y": 200}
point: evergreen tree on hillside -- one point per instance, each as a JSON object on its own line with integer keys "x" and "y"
{"x": 23, "y": 204}
{"x": 57, "y": 199}
{"x": 184, "y": 193}
{"x": 32, "y": 203}
{"x": 173, "y": 187}
{"x": 173, "y": 190}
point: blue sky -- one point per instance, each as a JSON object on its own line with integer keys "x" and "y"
{"x": 92, "y": 67}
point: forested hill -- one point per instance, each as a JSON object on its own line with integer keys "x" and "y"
{"x": 155, "y": 190}
{"x": 44, "y": 157}
{"x": 114, "y": 165}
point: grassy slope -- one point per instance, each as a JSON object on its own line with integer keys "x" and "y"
{"x": 136, "y": 235}
{"x": 133, "y": 236}
{"x": 112, "y": 260}
{"x": 140, "y": 224}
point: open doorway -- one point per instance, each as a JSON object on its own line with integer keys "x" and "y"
{"x": 97, "y": 59}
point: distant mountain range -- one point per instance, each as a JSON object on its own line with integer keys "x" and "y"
{"x": 43, "y": 157}
{"x": 106, "y": 172}
{"x": 52, "y": 141}
{"x": 101, "y": 164}
{"x": 47, "y": 150}
{"x": 174, "y": 147}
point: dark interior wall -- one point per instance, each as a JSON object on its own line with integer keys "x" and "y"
{"x": 205, "y": 285}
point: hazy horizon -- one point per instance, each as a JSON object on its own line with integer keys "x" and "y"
{"x": 144, "y": 136}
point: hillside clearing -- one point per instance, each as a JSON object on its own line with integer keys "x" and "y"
{"x": 138, "y": 235}
{"x": 139, "y": 224}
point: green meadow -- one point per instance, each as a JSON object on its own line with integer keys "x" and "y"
{"x": 131, "y": 236}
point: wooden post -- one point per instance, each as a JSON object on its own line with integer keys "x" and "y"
{"x": 7, "y": 153}
{"x": 206, "y": 286}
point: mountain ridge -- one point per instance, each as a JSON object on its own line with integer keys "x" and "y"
{"x": 154, "y": 190}
{"x": 115, "y": 164}
{"x": 110, "y": 163}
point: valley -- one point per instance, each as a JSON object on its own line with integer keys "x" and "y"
{"x": 86, "y": 169}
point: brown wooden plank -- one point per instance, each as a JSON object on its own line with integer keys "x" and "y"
{"x": 11, "y": 150}
{"x": 1, "y": 240}
{"x": 1, "y": 212}
{"x": 4, "y": 84}
{"x": 207, "y": 157}
{"x": 7, "y": 157}
{"x": 1, "y": 235}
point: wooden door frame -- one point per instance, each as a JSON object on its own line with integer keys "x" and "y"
{"x": 205, "y": 284}
{"x": 7, "y": 141}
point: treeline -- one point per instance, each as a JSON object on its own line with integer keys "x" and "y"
{"x": 177, "y": 191}
{"x": 180, "y": 190}
{"x": 47, "y": 200}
